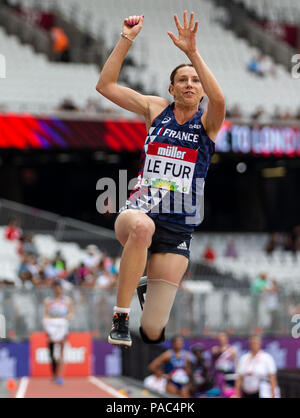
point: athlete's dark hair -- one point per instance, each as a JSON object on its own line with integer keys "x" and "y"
{"x": 173, "y": 73}
{"x": 57, "y": 283}
{"x": 176, "y": 337}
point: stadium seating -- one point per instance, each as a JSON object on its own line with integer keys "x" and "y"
{"x": 42, "y": 85}
{"x": 251, "y": 261}
{"x": 154, "y": 55}
{"x": 274, "y": 10}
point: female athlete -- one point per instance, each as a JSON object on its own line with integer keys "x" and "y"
{"x": 58, "y": 311}
{"x": 166, "y": 205}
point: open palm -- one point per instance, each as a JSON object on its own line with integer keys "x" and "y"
{"x": 186, "y": 40}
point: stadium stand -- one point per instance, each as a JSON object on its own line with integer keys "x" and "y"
{"x": 42, "y": 86}
{"x": 252, "y": 258}
{"x": 155, "y": 57}
{"x": 251, "y": 261}
{"x": 274, "y": 10}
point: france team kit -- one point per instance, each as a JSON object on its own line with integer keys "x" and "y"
{"x": 174, "y": 164}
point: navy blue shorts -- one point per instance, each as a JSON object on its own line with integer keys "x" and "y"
{"x": 168, "y": 238}
{"x": 166, "y": 241}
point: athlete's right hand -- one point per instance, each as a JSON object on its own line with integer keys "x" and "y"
{"x": 132, "y": 26}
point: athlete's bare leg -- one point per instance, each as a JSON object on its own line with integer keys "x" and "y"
{"x": 134, "y": 230}
{"x": 167, "y": 266}
{"x": 60, "y": 364}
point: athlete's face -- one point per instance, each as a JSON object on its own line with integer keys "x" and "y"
{"x": 187, "y": 88}
{"x": 178, "y": 344}
{"x": 254, "y": 344}
{"x": 57, "y": 290}
{"x": 222, "y": 337}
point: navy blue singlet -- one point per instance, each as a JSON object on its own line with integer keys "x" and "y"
{"x": 173, "y": 167}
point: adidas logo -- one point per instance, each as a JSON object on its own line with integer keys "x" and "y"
{"x": 182, "y": 246}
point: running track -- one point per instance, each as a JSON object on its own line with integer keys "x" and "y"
{"x": 84, "y": 387}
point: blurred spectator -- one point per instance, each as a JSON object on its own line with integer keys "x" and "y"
{"x": 68, "y": 105}
{"x": 29, "y": 270}
{"x": 59, "y": 262}
{"x": 231, "y": 250}
{"x": 105, "y": 280}
{"x": 60, "y": 45}
{"x": 234, "y": 112}
{"x": 177, "y": 363}
{"x": 260, "y": 115}
{"x": 257, "y": 288}
{"x": 92, "y": 256}
{"x": 273, "y": 243}
{"x": 272, "y": 304}
{"x": 256, "y": 373}
{"x": 12, "y": 231}
{"x": 254, "y": 66}
{"x": 295, "y": 236}
{"x": 261, "y": 66}
{"x": 209, "y": 253}
{"x": 156, "y": 381}
{"x": 49, "y": 269}
{"x": 199, "y": 378}
{"x": 27, "y": 245}
{"x": 297, "y": 114}
{"x": 287, "y": 242}
{"x": 224, "y": 358}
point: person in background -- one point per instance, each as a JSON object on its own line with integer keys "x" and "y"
{"x": 224, "y": 358}
{"x": 58, "y": 311}
{"x": 156, "y": 381}
{"x": 60, "y": 45}
{"x": 12, "y": 232}
{"x": 209, "y": 253}
{"x": 177, "y": 365}
{"x": 28, "y": 246}
{"x": 231, "y": 250}
{"x": 59, "y": 261}
{"x": 92, "y": 257}
{"x": 272, "y": 302}
{"x": 273, "y": 243}
{"x": 105, "y": 280}
{"x": 258, "y": 287}
{"x": 256, "y": 373}
{"x": 199, "y": 376}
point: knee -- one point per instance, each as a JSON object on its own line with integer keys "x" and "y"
{"x": 151, "y": 335}
{"x": 151, "y": 329}
{"x": 142, "y": 233}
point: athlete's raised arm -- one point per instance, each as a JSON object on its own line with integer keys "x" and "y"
{"x": 107, "y": 84}
{"x": 213, "y": 118}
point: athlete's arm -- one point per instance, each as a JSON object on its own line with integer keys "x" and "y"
{"x": 273, "y": 383}
{"x": 159, "y": 361}
{"x": 124, "y": 96}
{"x": 238, "y": 386}
{"x": 213, "y": 117}
{"x": 70, "y": 310}
{"x": 46, "y": 306}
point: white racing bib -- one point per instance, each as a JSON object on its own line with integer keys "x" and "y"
{"x": 179, "y": 376}
{"x": 169, "y": 167}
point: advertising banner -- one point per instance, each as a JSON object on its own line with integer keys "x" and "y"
{"x": 14, "y": 360}
{"x": 77, "y": 355}
{"x": 25, "y": 131}
{"x": 107, "y": 359}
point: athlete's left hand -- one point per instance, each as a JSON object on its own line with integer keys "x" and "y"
{"x": 186, "y": 40}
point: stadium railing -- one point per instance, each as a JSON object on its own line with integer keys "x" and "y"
{"x": 192, "y": 315}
